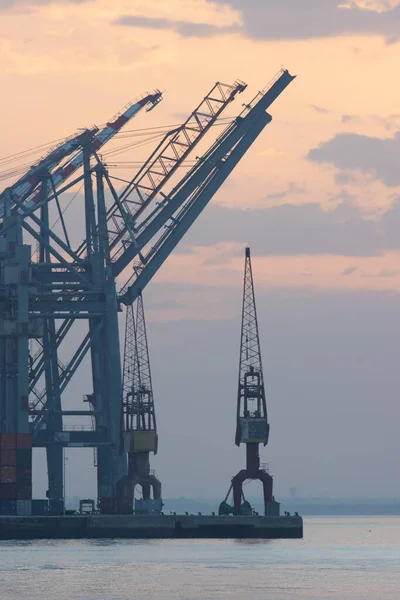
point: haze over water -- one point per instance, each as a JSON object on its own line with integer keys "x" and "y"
{"x": 339, "y": 558}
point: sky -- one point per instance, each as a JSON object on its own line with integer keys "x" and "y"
{"x": 317, "y": 198}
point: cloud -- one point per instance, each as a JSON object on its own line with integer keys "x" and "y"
{"x": 319, "y": 109}
{"x": 301, "y": 19}
{"x": 390, "y": 223}
{"x": 22, "y": 5}
{"x": 287, "y": 19}
{"x": 386, "y": 273}
{"x": 291, "y": 229}
{"x": 184, "y": 28}
{"x": 293, "y": 188}
{"x": 349, "y": 270}
{"x": 377, "y": 157}
{"x": 145, "y": 22}
{"x": 350, "y": 119}
{"x": 298, "y": 229}
{"x": 343, "y": 178}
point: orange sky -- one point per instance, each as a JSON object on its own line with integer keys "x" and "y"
{"x": 65, "y": 65}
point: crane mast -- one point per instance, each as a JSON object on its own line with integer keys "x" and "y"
{"x": 139, "y": 429}
{"x": 252, "y": 426}
{"x": 171, "y": 218}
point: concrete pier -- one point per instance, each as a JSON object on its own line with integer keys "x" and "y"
{"x": 150, "y": 527}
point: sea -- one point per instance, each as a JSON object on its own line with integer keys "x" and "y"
{"x": 339, "y": 559}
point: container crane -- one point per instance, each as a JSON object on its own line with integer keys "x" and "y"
{"x": 139, "y": 226}
{"x": 97, "y": 246}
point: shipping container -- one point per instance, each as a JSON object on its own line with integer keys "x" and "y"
{"x": 40, "y": 508}
{"x": 24, "y": 441}
{"x": 23, "y": 491}
{"x": 8, "y": 458}
{"x": 24, "y": 458}
{"x": 8, "y": 441}
{"x": 8, "y": 474}
{"x": 8, "y": 491}
{"x": 8, "y": 507}
{"x": 24, "y": 508}
{"x": 24, "y": 475}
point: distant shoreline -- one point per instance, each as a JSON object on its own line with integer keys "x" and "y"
{"x": 343, "y": 510}
{"x": 318, "y": 507}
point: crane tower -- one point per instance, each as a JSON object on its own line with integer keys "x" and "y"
{"x": 252, "y": 427}
{"x": 139, "y": 428}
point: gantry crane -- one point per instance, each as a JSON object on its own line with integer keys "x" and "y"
{"x": 53, "y": 273}
{"x": 51, "y": 298}
{"x": 252, "y": 427}
{"x": 139, "y": 429}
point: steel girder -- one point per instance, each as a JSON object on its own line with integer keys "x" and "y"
{"x": 81, "y": 285}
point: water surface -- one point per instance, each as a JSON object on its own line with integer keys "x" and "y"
{"x": 338, "y": 559}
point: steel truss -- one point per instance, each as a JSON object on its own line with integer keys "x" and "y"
{"x": 56, "y": 294}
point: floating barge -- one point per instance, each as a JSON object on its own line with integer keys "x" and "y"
{"x": 149, "y": 527}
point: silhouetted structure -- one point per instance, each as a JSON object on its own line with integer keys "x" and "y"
{"x": 139, "y": 429}
{"x": 252, "y": 427}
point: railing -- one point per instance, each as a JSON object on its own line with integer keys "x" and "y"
{"x": 131, "y": 103}
{"x": 247, "y": 107}
{"x": 77, "y": 428}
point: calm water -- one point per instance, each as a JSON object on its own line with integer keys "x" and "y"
{"x": 340, "y": 558}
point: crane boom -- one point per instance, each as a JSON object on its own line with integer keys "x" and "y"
{"x": 94, "y": 143}
{"x": 170, "y": 153}
{"x": 26, "y": 185}
{"x": 193, "y": 193}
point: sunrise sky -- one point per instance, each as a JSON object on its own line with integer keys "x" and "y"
{"x": 317, "y": 197}
{"x": 329, "y": 160}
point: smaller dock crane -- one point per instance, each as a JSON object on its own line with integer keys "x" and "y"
{"x": 139, "y": 430}
{"x": 252, "y": 427}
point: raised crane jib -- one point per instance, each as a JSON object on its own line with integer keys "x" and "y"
{"x": 190, "y": 196}
{"x": 163, "y": 163}
{"x": 94, "y": 140}
{"x": 26, "y": 185}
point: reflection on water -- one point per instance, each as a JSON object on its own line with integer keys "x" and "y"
{"x": 339, "y": 559}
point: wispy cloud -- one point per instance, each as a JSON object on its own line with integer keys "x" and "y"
{"x": 320, "y": 109}
{"x": 184, "y": 28}
{"x": 377, "y": 157}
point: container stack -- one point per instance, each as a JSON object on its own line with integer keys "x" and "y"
{"x": 15, "y": 474}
